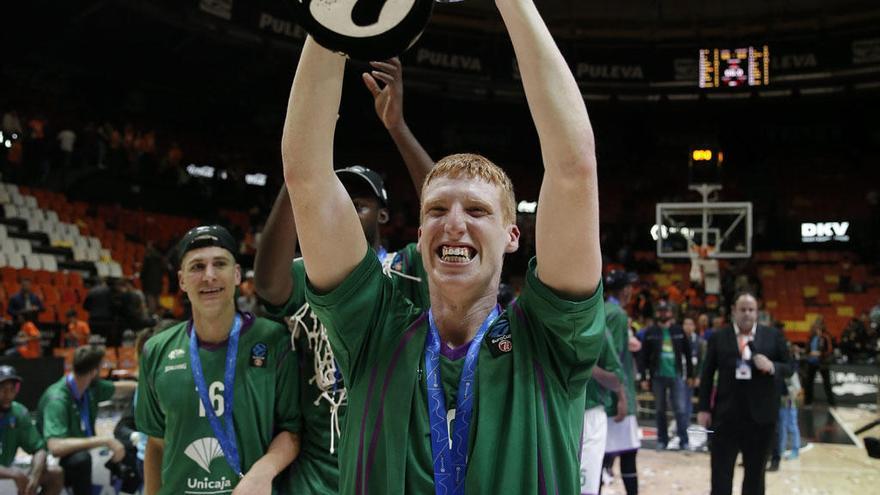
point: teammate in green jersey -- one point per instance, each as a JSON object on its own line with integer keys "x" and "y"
{"x": 623, "y": 436}
{"x": 323, "y": 396}
{"x": 607, "y": 377}
{"x": 68, "y": 409}
{"x": 515, "y": 419}
{"x": 200, "y": 374}
{"x": 18, "y": 430}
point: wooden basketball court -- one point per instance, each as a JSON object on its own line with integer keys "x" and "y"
{"x": 832, "y": 462}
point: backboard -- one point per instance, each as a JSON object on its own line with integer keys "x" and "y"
{"x": 713, "y": 230}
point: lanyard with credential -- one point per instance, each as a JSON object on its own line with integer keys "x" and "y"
{"x": 82, "y": 403}
{"x": 450, "y": 468}
{"x": 226, "y": 436}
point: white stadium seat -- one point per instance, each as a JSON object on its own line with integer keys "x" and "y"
{"x": 50, "y": 264}
{"x": 14, "y": 260}
{"x": 33, "y": 261}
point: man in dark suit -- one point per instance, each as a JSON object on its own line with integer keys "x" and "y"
{"x": 25, "y": 302}
{"x": 748, "y": 358}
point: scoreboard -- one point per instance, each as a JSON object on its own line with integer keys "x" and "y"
{"x": 733, "y": 68}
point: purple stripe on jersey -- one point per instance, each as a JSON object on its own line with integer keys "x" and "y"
{"x": 518, "y": 310}
{"x": 358, "y": 488}
{"x": 542, "y": 485}
{"x": 454, "y": 353}
{"x": 374, "y": 438}
{"x": 247, "y": 321}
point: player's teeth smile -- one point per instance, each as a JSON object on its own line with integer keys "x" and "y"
{"x": 456, "y": 254}
{"x": 212, "y": 291}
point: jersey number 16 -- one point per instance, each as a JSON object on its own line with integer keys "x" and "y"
{"x": 215, "y": 395}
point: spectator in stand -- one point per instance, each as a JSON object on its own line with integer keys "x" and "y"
{"x": 791, "y": 395}
{"x": 77, "y": 332}
{"x": 99, "y": 304}
{"x": 819, "y": 352}
{"x": 17, "y": 430}
{"x": 24, "y": 302}
{"x": 66, "y": 142}
{"x": 27, "y": 340}
{"x": 152, "y": 270}
{"x": 665, "y": 365}
{"x": 11, "y": 123}
{"x": 247, "y": 300}
{"x": 717, "y": 324}
{"x": 851, "y": 339}
{"x": 68, "y": 409}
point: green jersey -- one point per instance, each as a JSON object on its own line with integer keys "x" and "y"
{"x": 412, "y": 281}
{"x": 323, "y": 395}
{"x": 60, "y": 410}
{"x": 597, "y": 395}
{"x": 168, "y": 407}
{"x": 533, "y": 366}
{"x": 667, "y": 356}
{"x": 18, "y": 430}
{"x": 616, "y": 321}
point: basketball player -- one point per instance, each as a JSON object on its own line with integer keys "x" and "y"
{"x": 200, "y": 374}
{"x": 17, "y": 430}
{"x": 422, "y": 416}
{"x": 323, "y": 394}
{"x": 623, "y": 436}
{"x": 607, "y": 377}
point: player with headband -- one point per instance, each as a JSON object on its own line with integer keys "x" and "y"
{"x": 219, "y": 392}
{"x": 465, "y": 397}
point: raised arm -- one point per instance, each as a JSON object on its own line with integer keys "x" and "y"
{"x": 275, "y": 252}
{"x": 389, "y": 107}
{"x": 567, "y": 224}
{"x": 330, "y": 235}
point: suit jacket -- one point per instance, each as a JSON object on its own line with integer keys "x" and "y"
{"x": 739, "y": 400}
{"x": 17, "y": 303}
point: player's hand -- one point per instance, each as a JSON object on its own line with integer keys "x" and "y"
{"x": 388, "y": 99}
{"x": 621, "y": 408}
{"x": 704, "y": 418}
{"x": 634, "y": 344}
{"x": 117, "y": 448}
{"x": 253, "y": 485}
{"x": 762, "y": 363}
{"x": 645, "y": 385}
{"x": 690, "y": 383}
{"x": 697, "y": 382}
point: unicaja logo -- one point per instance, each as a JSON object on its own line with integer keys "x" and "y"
{"x": 203, "y": 451}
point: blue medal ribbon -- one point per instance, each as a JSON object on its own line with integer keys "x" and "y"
{"x": 450, "y": 465}
{"x": 82, "y": 403}
{"x": 226, "y": 436}
{"x": 382, "y": 254}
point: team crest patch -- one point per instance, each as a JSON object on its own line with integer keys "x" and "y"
{"x": 259, "y": 355}
{"x": 499, "y": 340}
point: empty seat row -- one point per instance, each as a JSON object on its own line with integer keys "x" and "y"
{"x": 32, "y": 261}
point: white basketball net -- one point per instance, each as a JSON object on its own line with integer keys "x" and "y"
{"x": 325, "y": 377}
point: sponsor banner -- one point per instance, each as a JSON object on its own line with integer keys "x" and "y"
{"x": 850, "y": 383}
{"x": 467, "y": 55}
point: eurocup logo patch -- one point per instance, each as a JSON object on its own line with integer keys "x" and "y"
{"x": 259, "y": 355}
